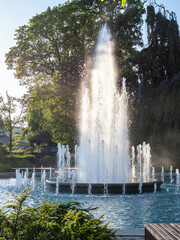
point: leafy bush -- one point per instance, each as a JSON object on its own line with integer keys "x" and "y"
{"x": 3, "y": 148}
{"x": 21, "y": 155}
{"x": 48, "y": 221}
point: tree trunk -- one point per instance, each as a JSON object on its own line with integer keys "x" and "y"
{"x": 10, "y": 140}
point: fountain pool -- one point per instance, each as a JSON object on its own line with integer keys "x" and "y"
{"x": 102, "y": 160}
{"x": 121, "y": 211}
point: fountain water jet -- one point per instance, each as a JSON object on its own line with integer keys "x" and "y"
{"x": 102, "y": 158}
{"x": 103, "y": 120}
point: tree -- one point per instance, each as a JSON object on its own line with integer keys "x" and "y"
{"x": 51, "y": 51}
{"x": 56, "y": 42}
{"x": 2, "y": 130}
{"x": 155, "y": 105}
{"x": 122, "y": 2}
{"x": 160, "y": 60}
{"x": 52, "y": 44}
{"x": 51, "y": 108}
{"x": 9, "y": 115}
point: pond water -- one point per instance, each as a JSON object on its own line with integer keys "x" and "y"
{"x": 129, "y": 211}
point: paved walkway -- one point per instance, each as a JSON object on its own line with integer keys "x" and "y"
{"x": 130, "y": 234}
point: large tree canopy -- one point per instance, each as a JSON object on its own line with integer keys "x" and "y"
{"x": 160, "y": 60}
{"x": 52, "y": 43}
{"x": 57, "y": 41}
{"x": 156, "y": 109}
{"x": 51, "y": 51}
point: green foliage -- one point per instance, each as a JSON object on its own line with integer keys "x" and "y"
{"x": 160, "y": 60}
{"x": 25, "y": 160}
{"x": 53, "y": 43}
{"x": 3, "y": 156}
{"x": 156, "y": 120}
{"x": 155, "y": 105}
{"x": 8, "y": 108}
{"x": 55, "y": 220}
{"x": 3, "y": 148}
{"x": 55, "y": 112}
{"x": 21, "y": 155}
{"x": 2, "y": 129}
{"x": 47, "y": 160}
{"x": 18, "y": 160}
{"x": 126, "y": 29}
{"x": 37, "y": 149}
{"x": 51, "y": 51}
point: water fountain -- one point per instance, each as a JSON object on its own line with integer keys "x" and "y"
{"x": 171, "y": 174}
{"x": 33, "y": 179}
{"x": 162, "y": 174}
{"x": 102, "y": 157}
{"x": 43, "y": 179}
{"x": 177, "y": 180}
{"x": 102, "y": 161}
{"x": 121, "y": 210}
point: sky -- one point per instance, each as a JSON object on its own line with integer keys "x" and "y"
{"x": 15, "y": 13}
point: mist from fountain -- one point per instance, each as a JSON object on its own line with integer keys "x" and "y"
{"x": 18, "y": 179}
{"x": 177, "y": 180}
{"x": 25, "y": 179}
{"x": 50, "y": 173}
{"x": 57, "y": 185}
{"x": 44, "y": 180}
{"x": 104, "y": 131}
{"x": 103, "y": 153}
{"x": 33, "y": 179}
{"x": 162, "y": 174}
{"x": 153, "y": 172}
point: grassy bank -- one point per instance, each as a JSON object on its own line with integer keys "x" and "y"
{"x": 26, "y": 160}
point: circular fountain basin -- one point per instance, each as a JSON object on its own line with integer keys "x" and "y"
{"x": 111, "y": 188}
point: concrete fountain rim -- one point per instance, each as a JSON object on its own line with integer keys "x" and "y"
{"x": 98, "y": 188}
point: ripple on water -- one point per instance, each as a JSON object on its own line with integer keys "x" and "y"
{"x": 129, "y": 211}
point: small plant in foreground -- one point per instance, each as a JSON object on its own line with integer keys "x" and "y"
{"x": 55, "y": 220}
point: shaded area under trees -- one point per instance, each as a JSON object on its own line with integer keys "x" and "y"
{"x": 156, "y": 103}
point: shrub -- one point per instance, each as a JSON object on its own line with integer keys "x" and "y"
{"x": 48, "y": 221}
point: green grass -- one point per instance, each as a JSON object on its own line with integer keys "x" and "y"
{"x": 25, "y": 160}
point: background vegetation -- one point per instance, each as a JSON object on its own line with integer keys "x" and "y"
{"x": 51, "y": 55}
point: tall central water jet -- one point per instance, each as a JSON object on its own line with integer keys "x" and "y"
{"x": 102, "y": 162}
{"x": 103, "y": 152}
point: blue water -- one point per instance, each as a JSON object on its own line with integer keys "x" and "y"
{"x": 129, "y": 211}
